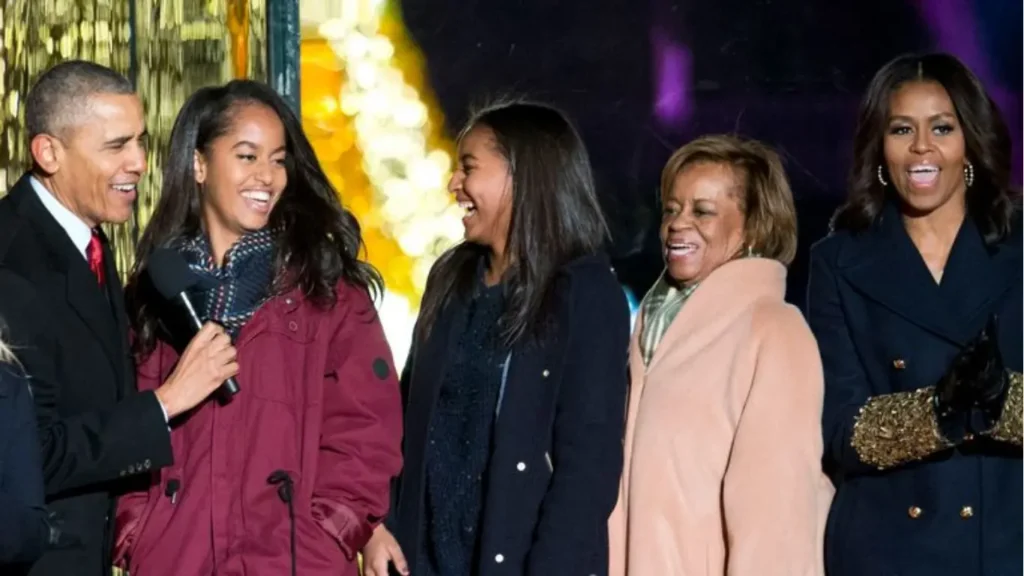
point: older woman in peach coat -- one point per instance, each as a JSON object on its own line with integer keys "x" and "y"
{"x": 723, "y": 441}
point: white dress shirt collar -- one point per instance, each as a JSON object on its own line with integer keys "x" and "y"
{"x": 77, "y": 230}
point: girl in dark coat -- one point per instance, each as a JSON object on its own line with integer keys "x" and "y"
{"x": 516, "y": 386}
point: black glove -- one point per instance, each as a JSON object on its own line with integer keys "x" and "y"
{"x": 993, "y": 379}
{"x": 977, "y": 379}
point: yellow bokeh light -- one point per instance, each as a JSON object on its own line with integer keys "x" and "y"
{"x": 380, "y": 142}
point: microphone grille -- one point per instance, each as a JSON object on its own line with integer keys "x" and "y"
{"x": 170, "y": 273}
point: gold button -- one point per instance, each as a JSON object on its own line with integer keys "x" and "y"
{"x": 914, "y": 512}
{"x": 899, "y": 364}
{"x": 966, "y": 512}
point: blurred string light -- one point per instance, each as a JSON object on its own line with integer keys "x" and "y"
{"x": 381, "y": 144}
{"x": 634, "y": 305}
{"x": 390, "y": 123}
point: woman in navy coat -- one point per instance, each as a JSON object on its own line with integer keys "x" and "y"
{"x": 24, "y": 531}
{"x": 515, "y": 391}
{"x": 915, "y": 299}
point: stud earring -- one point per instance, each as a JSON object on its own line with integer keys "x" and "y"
{"x": 881, "y": 177}
{"x": 968, "y": 174}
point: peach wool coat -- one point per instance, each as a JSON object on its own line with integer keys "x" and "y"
{"x": 723, "y": 446}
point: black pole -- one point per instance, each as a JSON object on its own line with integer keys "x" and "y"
{"x": 133, "y": 56}
{"x": 283, "y": 49}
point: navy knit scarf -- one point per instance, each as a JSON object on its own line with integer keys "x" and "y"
{"x": 239, "y": 287}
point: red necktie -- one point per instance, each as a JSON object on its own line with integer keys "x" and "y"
{"x": 94, "y": 254}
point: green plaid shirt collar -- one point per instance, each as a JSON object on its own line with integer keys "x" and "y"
{"x": 659, "y": 308}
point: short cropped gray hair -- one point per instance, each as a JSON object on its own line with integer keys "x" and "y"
{"x": 61, "y": 91}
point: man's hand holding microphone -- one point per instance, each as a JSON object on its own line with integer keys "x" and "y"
{"x": 208, "y": 360}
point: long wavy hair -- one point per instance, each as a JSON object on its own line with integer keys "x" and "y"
{"x": 991, "y": 200}
{"x": 556, "y": 218}
{"x": 319, "y": 240}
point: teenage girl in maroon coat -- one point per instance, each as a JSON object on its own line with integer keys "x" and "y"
{"x": 291, "y": 475}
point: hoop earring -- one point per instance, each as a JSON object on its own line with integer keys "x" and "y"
{"x": 881, "y": 177}
{"x": 968, "y": 174}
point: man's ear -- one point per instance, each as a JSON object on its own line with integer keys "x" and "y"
{"x": 47, "y": 152}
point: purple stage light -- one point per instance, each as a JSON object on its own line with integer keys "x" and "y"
{"x": 673, "y": 65}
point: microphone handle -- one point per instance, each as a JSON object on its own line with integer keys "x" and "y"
{"x": 230, "y": 386}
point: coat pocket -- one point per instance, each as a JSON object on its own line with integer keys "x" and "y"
{"x": 276, "y": 361}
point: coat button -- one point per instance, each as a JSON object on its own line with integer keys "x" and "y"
{"x": 288, "y": 301}
{"x": 545, "y": 373}
{"x": 293, "y": 326}
{"x": 499, "y": 558}
{"x": 899, "y": 364}
{"x": 966, "y": 512}
{"x": 914, "y": 512}
{"x": 521, "y": 466}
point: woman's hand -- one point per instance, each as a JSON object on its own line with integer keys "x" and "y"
{"x": 381, "y": 550}
{"x": 977, "y": 378}
{"x": 989, "y": 382}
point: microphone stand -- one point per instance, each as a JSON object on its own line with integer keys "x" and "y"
{"x": 286, "y": 490}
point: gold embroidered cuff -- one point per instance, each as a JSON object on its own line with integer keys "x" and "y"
{"x": 893, "y": 429}
{"x": 1008, "y": 427}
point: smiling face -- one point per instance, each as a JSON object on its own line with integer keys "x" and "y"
{"x": 703, "y": 223}
{"x": 482, "y": 185}
{"x": 242, "y": 175}
{"x": 924, "y": 147}
{"x": 94, "y": 166}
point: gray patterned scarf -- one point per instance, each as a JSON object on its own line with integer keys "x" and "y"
{"x": 240, "y": 287}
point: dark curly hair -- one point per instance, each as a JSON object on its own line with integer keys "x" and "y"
{"x": 319, "y": 240}
{"x": 991, "y": 200}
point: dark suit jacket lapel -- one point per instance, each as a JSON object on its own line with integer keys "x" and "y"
{"x": 82, "y": 291}
{"x": 884, "y": 265}
{"x": 431, "y": 362}
{"x": 115, "y": 295}
{"x": 977, "y": 276}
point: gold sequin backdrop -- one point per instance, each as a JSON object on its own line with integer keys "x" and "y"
{"x": 179, "y": 46}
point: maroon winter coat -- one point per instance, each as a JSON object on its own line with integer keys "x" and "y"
{"x": 319, "y": 399}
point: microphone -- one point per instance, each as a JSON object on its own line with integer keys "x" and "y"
{"x": 172, "y": 277}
